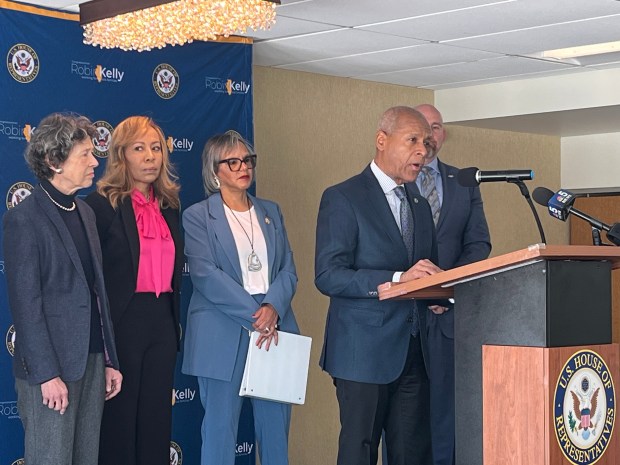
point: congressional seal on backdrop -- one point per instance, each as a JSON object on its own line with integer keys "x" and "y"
{"x": 101, "y": 143}
{"x": 165, "y": 81}
{"x": 18, "y": 192}
{"x": 584, "y": 408}
{"x": 19, "y": 462}
{"x": 23, "y": 63}
{"x": 10, "y": 340}
{"x": 176, "y": 455}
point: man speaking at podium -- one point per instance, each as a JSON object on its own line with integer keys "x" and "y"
{"x": 462, "y": 237}
{"x": 371, "y": 229}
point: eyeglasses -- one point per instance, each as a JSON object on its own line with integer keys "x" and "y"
{"x": 235, "y": 163}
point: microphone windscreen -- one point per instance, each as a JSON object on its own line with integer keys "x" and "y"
{"x": 542, "y": 195}
{"x": 467, "y": 177}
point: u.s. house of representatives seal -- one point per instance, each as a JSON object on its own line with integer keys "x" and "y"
{"x": 584, "y": 408}
{"x": 176, "y": 454}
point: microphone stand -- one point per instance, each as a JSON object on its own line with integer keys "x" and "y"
{"x": 526, "y": 193}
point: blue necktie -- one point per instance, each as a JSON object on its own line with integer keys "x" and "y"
{"x": 406, "y": 230}
{"x": 406, "y": 220}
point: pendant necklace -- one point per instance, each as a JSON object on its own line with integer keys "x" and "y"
{"x": 254, "y": 263}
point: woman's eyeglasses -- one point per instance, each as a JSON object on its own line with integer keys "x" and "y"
{"x": 234, "y": 164}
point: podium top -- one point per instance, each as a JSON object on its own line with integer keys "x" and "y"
{"x": 441, "y": 284}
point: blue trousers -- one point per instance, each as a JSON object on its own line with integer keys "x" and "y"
{"x": 222, "y": 405}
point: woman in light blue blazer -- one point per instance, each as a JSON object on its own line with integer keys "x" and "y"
{"x": 244, "y": 279}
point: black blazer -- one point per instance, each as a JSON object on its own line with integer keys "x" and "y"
{"x": 120, "y": 244}
{"x": 48, "y": 292}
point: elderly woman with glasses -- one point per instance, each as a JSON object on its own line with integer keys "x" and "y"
{"x": 244, "y": 279}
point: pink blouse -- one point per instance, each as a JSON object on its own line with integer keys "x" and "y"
{"x": 156, "y": 246}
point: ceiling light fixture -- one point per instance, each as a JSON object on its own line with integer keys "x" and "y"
{"x": 585, "y": 50}
{"x": 147, "y": 24}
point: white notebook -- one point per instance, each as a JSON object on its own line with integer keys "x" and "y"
{"x": 280, "y": 374}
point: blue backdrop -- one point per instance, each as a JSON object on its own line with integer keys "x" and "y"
{"x": 192, "y": 92}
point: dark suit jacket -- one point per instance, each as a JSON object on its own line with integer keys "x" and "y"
{"x": 121, "y": 253}
{"x": 48, "y": 292}
{"x": 358, "y": 247}
{"x": 462, "y": 232}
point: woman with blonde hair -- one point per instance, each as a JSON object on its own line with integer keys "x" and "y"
{"x": 137, "y": 209}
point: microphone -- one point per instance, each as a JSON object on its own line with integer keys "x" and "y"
{"x": 560, "y": 206}
{"x": 471, "y": 177}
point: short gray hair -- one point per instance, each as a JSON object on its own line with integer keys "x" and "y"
{"x": 389, "y": 119}
{"x": 215, "y": 149}
{"x": 53, "y": 139}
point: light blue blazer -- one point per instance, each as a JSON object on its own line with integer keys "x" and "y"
{"x": 220, "y": 308}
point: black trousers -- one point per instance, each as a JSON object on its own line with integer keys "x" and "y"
{"x": 137, "y": 423}
{"x": 401, "y": 408}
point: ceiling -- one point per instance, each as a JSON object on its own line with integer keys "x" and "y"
{"x": 432, "y": 44}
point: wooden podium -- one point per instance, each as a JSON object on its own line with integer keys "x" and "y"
{"x": 531, "y": 313}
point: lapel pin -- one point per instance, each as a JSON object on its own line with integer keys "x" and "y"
{"x": 267, "y": 220}
{"x": 450, "y": 175}
{"x": 415, "y": 200}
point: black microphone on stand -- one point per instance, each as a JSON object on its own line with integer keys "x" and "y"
{"x": 472, "y": 177}
{"x": 560, "y": 206}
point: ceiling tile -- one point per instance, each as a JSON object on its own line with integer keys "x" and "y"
{"x": 527, "y": 41}
{"x": 358, "y": 12}
{"x": 495, "y": 18}
{"x": 459, "y": 74}
{"x": 341, "y": 42}
{"x": 420, "y": 56}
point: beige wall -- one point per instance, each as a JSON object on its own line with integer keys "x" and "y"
{"x": 590, "y": 161}
{"x": 312, "y": 131}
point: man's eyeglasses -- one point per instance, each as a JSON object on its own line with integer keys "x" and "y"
{"x": 234, "y": 164}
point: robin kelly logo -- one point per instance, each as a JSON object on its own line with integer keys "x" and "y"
{"x": 18, "y": 192}
{"x": 245, "y": 448}
{"x": 226, "y": 86}
{"x": 9, "y": 410}
{"x": 10, "y": 340}
{"x": 23, "y": 63}
{"x": 176, "y": 454}
{"x": 97, "y": 73}
{"x": 166, "y": 81}
{"x": 180, "y": 396}
{"x": 584, "y": 408}
{"x": 179, "y": 145}
{"x": 15, "y": 131}
{"x": 101, "y": 142}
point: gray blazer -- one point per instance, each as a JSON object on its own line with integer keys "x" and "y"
{"x": 48, "y": 294}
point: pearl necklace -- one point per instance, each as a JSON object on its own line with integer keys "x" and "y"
{"x": 67, "y": 209}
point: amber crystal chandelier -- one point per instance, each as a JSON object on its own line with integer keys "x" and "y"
{"x": 147, "y": 24}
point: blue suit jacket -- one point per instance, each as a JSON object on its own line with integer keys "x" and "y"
{"x": 220, "y": 308}
{"x": 48, "y": 292}
{"x": 462, "y": 233}
{"x": 358, "y": 247}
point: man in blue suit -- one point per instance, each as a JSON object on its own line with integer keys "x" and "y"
{"x": 463, "y": 237}
{"x": 374, "y": 228}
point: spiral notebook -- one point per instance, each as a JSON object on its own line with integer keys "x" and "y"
{"x": 280, "y": 374}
